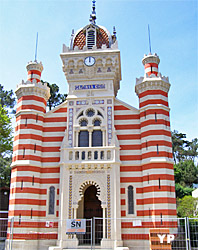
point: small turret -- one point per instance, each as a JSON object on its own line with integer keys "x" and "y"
{"x": 34, "y": 70}
{"x": 151, "y": 63}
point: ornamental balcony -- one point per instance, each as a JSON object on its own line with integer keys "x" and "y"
{"x": 90, "y": 155}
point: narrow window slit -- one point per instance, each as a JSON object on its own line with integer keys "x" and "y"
{"x": 19, "y": 219}
{"x": 22, "y": 185}
{"x": 37, "y": 118}
{"x": 145, "y": 114}
{"x": 157, "y": 149}
{"x": 33, "y": 180}
{"x": 23, "y": 152}
{"x": 155, "y": 117}
{"x": 34, "y": 148}
{"x": 25, "y": 122}
{"x": 159, "y": 183}
{"x": 31, "y": 213}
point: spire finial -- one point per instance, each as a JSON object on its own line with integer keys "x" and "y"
{"x": 35, "y": 59}
{"x": 149, "y": 39}
{"x": 93, "y": 15}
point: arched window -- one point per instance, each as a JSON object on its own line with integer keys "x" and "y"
{"x": 51, "y": 200}
{"x": 97, "y": 138}
{"x": 83, "y": 123}
{"x": 130, "y": 200}
{"x": 83, "y": 139}
{"x": 97, "y": 123}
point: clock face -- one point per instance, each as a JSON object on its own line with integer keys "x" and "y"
{"x": 89, "y": 61}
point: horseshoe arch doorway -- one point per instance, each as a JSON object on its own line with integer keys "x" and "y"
{"x": 89, "y": 207}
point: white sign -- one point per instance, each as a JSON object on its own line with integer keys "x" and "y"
{"x": 137, "y": 223}
{"x": 49, "y": 224}
{"x": 76, "y": 226}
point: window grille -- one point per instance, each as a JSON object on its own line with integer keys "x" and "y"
{"x": 90, "y": 39}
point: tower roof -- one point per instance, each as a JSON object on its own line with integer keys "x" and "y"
{"x": 92, "y": 35}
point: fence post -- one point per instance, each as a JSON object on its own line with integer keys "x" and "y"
{"x": 186, "y": 232}
{"x": 188, "y": 224}
{"x": 93, "y": 231}
{"x": 11, "y": 233}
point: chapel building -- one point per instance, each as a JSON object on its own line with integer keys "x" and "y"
{"x": 93, "y": 155}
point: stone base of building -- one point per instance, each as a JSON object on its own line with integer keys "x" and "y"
{"x": 29, "y": 244}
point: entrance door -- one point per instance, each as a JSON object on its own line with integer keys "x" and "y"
{"x": 92, "y": 208}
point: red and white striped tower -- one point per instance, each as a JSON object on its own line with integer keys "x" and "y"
{"x": 26, "y": 203}
{"x": 156, "y": 144}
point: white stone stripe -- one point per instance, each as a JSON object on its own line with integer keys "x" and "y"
{"x": 153, "y": 97}
{"x": 32, "y": 76}
{"x": 31, "y": 102}
{"x": 128, "y": 131}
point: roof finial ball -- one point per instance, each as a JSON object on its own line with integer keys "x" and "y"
{"x": 93, "y": 15}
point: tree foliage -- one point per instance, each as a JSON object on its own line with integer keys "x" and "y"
{"x": 186, "y": 207}
{"x": 185, "y": 170}
{"x": 186, "y": 173}
{"x": 7, "y": 98}
{"x": 5, "y": 133}
{"x": 182, "y": 148}
{"x": 5, "y": 171}
{"x": 5, "y": 147}
{"x": 56, "y": 98}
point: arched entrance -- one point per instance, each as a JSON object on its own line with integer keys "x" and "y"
{"x": 92, "y": 208}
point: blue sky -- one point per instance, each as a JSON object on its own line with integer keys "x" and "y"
{"x": 173, "y": 26}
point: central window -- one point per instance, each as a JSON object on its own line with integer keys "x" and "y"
{"x": 90, "y": 134}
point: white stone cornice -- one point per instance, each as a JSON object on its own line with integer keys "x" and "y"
{"x": 33, "y": 88}
{"x": 143, "y": 84}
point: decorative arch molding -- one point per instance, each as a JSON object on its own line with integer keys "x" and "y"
{"x": 86, "y": 184}
{"x": 82, "y": 182}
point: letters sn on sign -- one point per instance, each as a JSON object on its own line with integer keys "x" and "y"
{"x": 76, "y": 226}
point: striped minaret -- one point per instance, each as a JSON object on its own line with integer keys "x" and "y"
{"x": 26, "y": 203}
{"x": 34, "y": 70}
{"x": 156, "y": 146}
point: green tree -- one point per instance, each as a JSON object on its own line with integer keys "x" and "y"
{"x": 186, "y": 207}
{"x": 186, "y": 173}
{"x": 182, "y": 191}
{"x": 182, "y": 148}
{"x": 179, "y": 143}
{"x": 5, "y": 171}
{"x": 56, "y": 98}
{"x": 5, "y": 147}
{"x": 7, "y": 98}
{"x": 5, "y": 133}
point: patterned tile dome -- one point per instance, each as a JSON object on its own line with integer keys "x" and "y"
{"x": 102, "y": 37}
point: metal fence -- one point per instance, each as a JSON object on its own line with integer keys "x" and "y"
{"x": 141, "y": 234}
